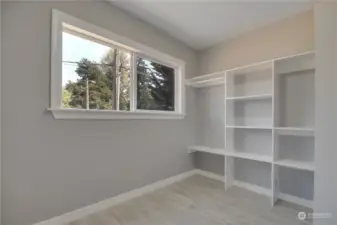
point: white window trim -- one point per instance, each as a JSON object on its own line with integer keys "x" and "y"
{"x": 60, "y": 18}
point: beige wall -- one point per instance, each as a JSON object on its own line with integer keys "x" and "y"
{"x": 290, "y": 36}
{"x": 55, "y": 166}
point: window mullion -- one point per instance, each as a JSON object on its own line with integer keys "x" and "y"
{"x": 118, "y": 83}
{"x": 87, "y": 93}
{"x": 133, "y": 86}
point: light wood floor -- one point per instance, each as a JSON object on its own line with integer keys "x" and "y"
{"x": 197, "y": 201}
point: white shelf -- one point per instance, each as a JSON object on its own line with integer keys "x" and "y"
{"x": 300, "y": 70}
{"x": 251, "y": 97}
{"x": 295, "y": 164}
{"x": 250, "y": 127}
{"x": 298, "y": 63}
{"x": 207, "y": 80}
{"x": 250, "y": 156}
{"x": 235, "y": 154}
{"x": 216, "y": 151}
{"x": 256, "y": 67}
{"x": 295, "y": 131}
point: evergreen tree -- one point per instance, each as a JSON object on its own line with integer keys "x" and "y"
{"x": 155, "y": 84}
{"x": 91, "y": 75}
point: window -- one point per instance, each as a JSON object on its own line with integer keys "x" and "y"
{"x": 155, "y": 85}
{"x": 94, "y": 75}
{"x": 99, "y": 75}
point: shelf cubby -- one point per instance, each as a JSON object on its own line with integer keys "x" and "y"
{"x": 256, "y": 113}
{"x": 296, "y": 147}
{"x": 296, "y": 186}
{"x": 210, "y": 123}
{"x": 249, "y": 81}
{"x": 252, "y": 175}
{"x": 256, "y": 143}
{"x": 294, "y": 92}
{"x": 295, "y": 151}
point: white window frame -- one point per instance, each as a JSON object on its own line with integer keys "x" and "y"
{"x": 59, "y": 20}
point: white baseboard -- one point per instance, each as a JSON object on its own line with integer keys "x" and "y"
{"x": 254, "y": 188}
{"x": 210, "y": 175}
{"x": 82, "y": 212}
{"x": 296, "y": 200}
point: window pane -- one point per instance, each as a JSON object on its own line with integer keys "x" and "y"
{"x": 90, "y": 77}
{"x": 124, "y": 79}
{"x": 73, "y": 90}
{"x": 155, "y": 86}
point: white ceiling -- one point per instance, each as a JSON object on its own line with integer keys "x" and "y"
{"x": 201, "y": 24}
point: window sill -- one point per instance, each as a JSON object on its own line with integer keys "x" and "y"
{"x": 112, "y": 114}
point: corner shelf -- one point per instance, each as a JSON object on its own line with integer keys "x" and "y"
{"x": 296, "y": 164}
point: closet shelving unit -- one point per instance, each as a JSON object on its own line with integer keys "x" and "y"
{"x": 268, "y": 124}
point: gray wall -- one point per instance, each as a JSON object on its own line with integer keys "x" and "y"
{"x": 326, "y": 112}
{"x": 52, "y": 166}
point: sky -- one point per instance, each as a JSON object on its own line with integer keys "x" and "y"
{"x": 74, "y": 49}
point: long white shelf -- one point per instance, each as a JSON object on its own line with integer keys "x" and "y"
{"x": 249, "y": 127}
{"x": 295, "y": 131}
{"x": 296, "y": 164}
{"x": 251, "y": 97}
{"x": 250, "y": 156}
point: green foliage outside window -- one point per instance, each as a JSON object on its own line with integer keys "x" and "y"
{"x": 97, "y": 82}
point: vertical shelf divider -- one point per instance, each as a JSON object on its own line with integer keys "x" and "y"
{"x": 228, "y": 162}
{"x": 274, "y": 172}
{"x": 229, "y": 170}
